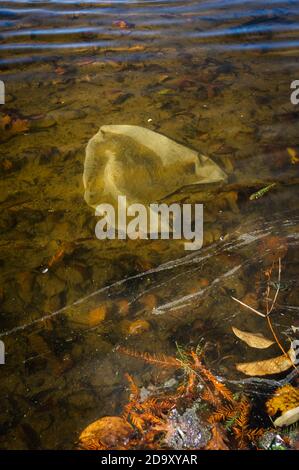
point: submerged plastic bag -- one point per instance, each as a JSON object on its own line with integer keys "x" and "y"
{"x": 142, "y": 165}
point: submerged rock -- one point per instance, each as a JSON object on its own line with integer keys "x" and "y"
{"x": 186, "y": 431}
{"x": 110, "y": 431}
{"x": 272, "y": 441}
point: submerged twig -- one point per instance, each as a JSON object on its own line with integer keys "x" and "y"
{"x": 269, "y": 309}
{"x": 250, "y": 308}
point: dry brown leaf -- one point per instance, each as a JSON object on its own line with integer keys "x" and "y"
{"x": 218, "y": 440}
{"x": 254, "y": 340}
{"x": 275, "y": 365}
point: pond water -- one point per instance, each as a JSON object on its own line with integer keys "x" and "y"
{"x": 213, "y": 75}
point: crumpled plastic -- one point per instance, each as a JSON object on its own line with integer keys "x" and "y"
{"x": 144, "y": 166}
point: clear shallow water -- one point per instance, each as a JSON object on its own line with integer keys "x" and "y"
{"x": 214, "y": 76}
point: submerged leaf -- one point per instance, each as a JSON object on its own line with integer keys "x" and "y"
{"x": 19, "y": 125}
{"x": 284, "y": 399}
{"x": 11, "y": 126}
{"x": 254, "y": 340}
{"x": 293, "y": 154}
{"x": 288, "y": 418}
{"x": 5, "y": 122}
{"x": 275, "y": 365}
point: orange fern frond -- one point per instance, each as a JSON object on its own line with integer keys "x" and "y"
{"x": 254, "y": 434}
{"x": 223, "y": 413}
{"x": 192, "y": 382}
{"x": 133, "y": 387}
{"x": 241, "y": 424}
{"x": 210, "y": 397}
{"x": 166, "y": 404}
{"x": 159, "y": 360}
{"x": 151, "y": 418}
{"x": 219, "y": 439}
{"x": 244, "y": 412}
{"x": 219, "y": 386}
{"x": 137, "y": 421}
{"x": 150, "y": 403}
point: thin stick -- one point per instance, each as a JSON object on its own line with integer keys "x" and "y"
{"x": 278, "y": 287}
{"x": 269, "y": 310}
{"x": 250, "y": 308}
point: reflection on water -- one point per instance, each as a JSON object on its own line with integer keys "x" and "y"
{"x": 212, "y": 75}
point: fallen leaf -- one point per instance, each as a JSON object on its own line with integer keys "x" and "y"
{"x": 6, "y": 164}
{"x": 11, "y": 127}
{"x": 254, "y": 340}
{"x": 60, "y": 70}
{"x": 122, "y": 24}
{"x": 5, "y": 122}
{"x": 138, "y": 326}
{"x": 97, "y": 315}
{"x": 293, "y": 154}
{"x": 288, "y": 418}
{"x": 19, "y": 125}
{"x": 162, "y": 78}
{"x": 284, "y": 399}
{"x": 276, "y": 365}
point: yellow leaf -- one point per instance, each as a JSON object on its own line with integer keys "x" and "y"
{"x": 284, "y": 399}
{"x": 293, "y": 154}
{"x": 254, "y": 340}
{"x": 276, "y": 365}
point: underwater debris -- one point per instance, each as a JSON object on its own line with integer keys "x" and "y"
{"x": 10, "y": 126}
{"x": 202, "y": 413}
{"x": 262, "y": 192}
{"x": 134, "y": 157}
{"x": 272, "y": 248}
